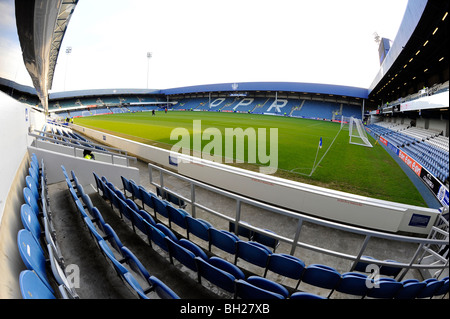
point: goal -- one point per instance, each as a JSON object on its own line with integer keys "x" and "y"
{"x": 356, "y": 131}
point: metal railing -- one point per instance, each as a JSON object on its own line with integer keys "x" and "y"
{"x": 80, "y": 144}
{"x": 300, "y": 220}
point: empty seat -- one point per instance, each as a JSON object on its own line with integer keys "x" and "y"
{"x": 265, "y": 239}
{"x": 163, "y": 291}
{"x": 385, "y": 288}
{"x": 223, "y": 240}
{"x": 259, "y": 288}
{"x": 197, "y": 227}
{"x": 252, "y": 252}
{"x": 390, "y": 270}
{"x": 33, "y": 257}
{"x": 432, "y": 285}
{"x": 183, "y": 255}
{"x": 353, "y": 283}
{"x": 410, "y": 289}
{"x": 305, "y": 295}
{"x": 286, "y": 265}
{"x": 321, "y": 276}
{"x": 215, "y": 275}
{"x": 242, "y": 230}
{"x": 177, "y": 216}
{"x": 32, "y": 287}
{"x": 443, "y": 289}
{"x": 147, "y": 199}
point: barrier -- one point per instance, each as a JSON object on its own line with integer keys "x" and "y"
{"x": 313, "y": 200}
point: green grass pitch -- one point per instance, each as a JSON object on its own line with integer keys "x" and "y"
{"x": 347, "y": 167}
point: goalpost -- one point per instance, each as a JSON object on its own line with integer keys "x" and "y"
{"x": 357, "y": 133}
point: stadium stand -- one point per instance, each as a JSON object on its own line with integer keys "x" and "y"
{"x": 234, "y": 277}
{"x": 416, "y": 143}
{"x": 243, "y": 265}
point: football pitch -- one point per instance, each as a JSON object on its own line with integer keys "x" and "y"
{"x": 337, "y": 164}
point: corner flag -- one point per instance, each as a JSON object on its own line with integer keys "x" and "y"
{"x": 320, "y": 142}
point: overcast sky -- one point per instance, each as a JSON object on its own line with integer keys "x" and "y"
{"x": 213, "y": 41}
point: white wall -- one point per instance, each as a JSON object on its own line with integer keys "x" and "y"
{"x": 15, "y": 119}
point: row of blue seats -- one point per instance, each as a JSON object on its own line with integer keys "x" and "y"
{"x": 433, "y": 159}
{"x": 145, "y": 286}
{"x": 217, "y": 271}
{"x": 45, "y": 277}
{"x": 433, "y": 163}
{"x": 253, "y": 252}
{"x": 81, "y": 140}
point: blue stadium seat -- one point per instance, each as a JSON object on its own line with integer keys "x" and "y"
{"x": 33, "y": 187}
{"x": 87, "y": 203}
{"x": 113, "y": 240}
{"x": 198, "y": 252}
{"x": 121, "y": 271}
{"x": 353, "y": 283}
{"x": 215, "y": 275}
{"x": 362, "y": 265}
{"x": 197, "y": 227}
{"x": 432, "y": 285}
{"x": 223, "y": 240}
{"x": 135, "y": 265}
{"x": 321, "y": 276}
{"x": 139, "y": 223}
{"x": 163, "y": 291}
{"x": 81, "y": 209}
{"x": 167, "y": 231}
{"x": 226, "y": 266}
{"x": 305, "y": 295}
{"x": 391, "y": 271}
{"x": 410, "y": 289}
{"x": 286, "y": 265}
{"x": 160, "y": 207}
{"x": 96, "y": 236}
{"x": 443, "y": 289}
{"x": 252, "y": 252}
{"x": 177, "y": 216}
{"x": 267, "y": 284}
{"x": 157, "y": 237}
{"x": 183, "y": 255}
{"x": 256, "y": 290}
{"x": 32, "y": 255}
{"x": 97, "y": 219}
{"x": 32, "y": 287}
{"x": 385, "y": 288}
{"x": 30, "y": 221}
{"x": 242, "y": 230}
{"x": 31, "y": 201}
{"x": 136, "y": 192}
{"x": 147, "y": 198}
{"x": 266, "y": 240}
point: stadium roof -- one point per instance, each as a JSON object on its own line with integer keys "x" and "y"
{"x": 100, "y": 92}
{"x": 41, "y": 25}
{"x": 272, "y": 86}
{"x": 419, "y": 53}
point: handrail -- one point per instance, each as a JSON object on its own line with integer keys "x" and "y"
{"x": 358, "y": 257}
{"x": 80, "y": 146}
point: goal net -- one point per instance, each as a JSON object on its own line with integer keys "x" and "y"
{"x": 356, "y": 132}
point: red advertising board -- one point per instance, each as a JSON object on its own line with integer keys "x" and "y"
{"x": 416, "y": 167}
{"x": 383, "y": 140}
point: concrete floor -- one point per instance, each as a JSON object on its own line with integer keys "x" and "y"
{"x": 98, "y": 280}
